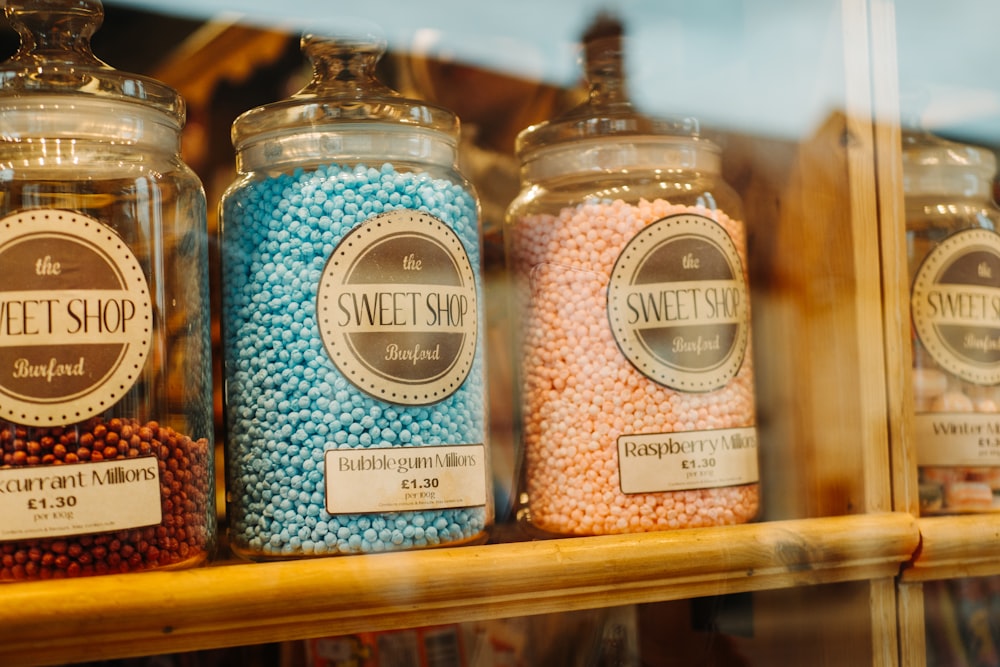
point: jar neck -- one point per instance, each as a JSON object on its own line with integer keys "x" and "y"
{"x": 371, "y": 143}
{"x": 944, "y": 184}
{"x": 621, "y": 155}
{"x": 70, "y": 118}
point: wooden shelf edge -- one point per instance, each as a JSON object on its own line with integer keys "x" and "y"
{"x": 956, "y": 546}
{"x": 235, "y": 604}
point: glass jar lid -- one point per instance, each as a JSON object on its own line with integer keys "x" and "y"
{"x": 54, "y": 67}
{"x": 933, "y": 166}
{"x": 606, "y": 132}
{"x": 345, "y": 110}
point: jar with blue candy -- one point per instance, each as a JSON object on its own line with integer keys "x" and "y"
{"x": 355, "y": 395}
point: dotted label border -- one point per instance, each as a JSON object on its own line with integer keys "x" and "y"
{"x": 339, "y": 349}
{"x": 631, "y": 257}
{"x": 944, "y": 255}
{"x": 109, "y": 389}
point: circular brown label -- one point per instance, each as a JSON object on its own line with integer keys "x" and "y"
{"x": 75, "y": 317}
{"x": 398, "y": 308}
{"x": 678, "y": 303}
{"x": 955, "y": 305}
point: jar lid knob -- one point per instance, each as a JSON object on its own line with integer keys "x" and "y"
{"x": 603, "y": 56}
{"x": 344, "y": 94}
{"x": 341, "y": 63}
{"x": 54, "y": 31}
{"x": 606, "y": 113}
{"x": 55, "y": 58}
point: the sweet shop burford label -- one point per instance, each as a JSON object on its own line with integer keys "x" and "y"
{"x": 398, "y": 311}
{"x": 955, "y": 305}
{"x": 76, "y": 324}
{"x": 678, "y": 310}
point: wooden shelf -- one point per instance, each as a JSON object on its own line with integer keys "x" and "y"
{"x": 245, "y": 603}
{"x": 956, "y": 546}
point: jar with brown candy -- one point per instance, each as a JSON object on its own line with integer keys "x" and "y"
{"x": 106, "y": 428}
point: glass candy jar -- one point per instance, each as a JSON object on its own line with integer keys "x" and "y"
{"x": 106, "y": 428}
{"x": 628, "y": 261}
{"x": 353, "y": 323}
{"x": 954, "y": 257}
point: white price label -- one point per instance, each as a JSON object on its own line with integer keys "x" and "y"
{"x": 79, "y": 499}
{"x": 396, "y": 479}
{"x": 658, "y": 462}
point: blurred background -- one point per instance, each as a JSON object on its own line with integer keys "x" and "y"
{"x": 771, "y": 76}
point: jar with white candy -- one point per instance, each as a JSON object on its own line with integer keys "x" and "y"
{"x": 954, "y": 260}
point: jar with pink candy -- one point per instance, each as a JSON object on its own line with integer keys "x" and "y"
{"x": 628, "y": 259}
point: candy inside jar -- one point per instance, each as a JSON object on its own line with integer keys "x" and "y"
{"x": 176, "y": 529}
